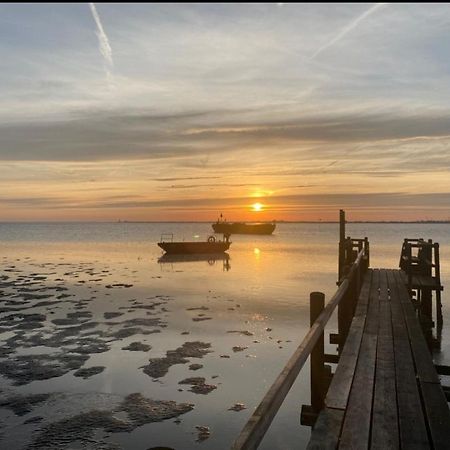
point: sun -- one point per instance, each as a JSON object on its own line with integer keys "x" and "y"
{"x": 257, "y": 207}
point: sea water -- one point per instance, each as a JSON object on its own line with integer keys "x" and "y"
{"x": 252, "y": 309}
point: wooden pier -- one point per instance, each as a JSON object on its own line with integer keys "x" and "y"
{"x": 385, "y": 392}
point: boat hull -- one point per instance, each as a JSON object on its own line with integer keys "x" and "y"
{"x": 243, "y": 228}
{"x": 190, "y": 248}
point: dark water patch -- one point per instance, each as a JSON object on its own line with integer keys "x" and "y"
{"x": 35, "y": 419}
{"x": 27, "y": 368}
{"x": 142, "y": 410}
{"x": 151, "y": 306}
{"x": 20, "y": 321}
{"x": 198, "y": 385}
{"x": 118, "y": 285}
{"x": 87, "y": 346}
{"x": 89, "y": 371}
{"x": 26, "y": 296}
{"x": 58, "y": 288}
{"x": 239, "y": 348}
{"x": 237, "y": 407}
{"x": 28, "y": 289}
{"x": 201, "y": 319}
{"x": 23, "y": 404}
{"x": 137, "y": 347}
{"x": 112, "y": 315}
{"x": 128, "y": 332}
{"x": 5, "y": 351}
{"x": 158, "y": 367}
{"x": 67, "y": 321}
{"x": 203, "y": 433}
{"x": 81, "y": 427}
{"x": 46, "y": 303}
{"x": 164, "y": 448}
{"x": 78, "y": 315}
{"x": 198, "y": 308}
{"x": 243, "y": 332}
{"x": 195, "y": 366}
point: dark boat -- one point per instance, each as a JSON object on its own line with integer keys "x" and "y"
{"x": 243, "y": 228}
{"x": 212, "y": 245}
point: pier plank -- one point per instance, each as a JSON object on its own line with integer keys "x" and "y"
{"x": 327, "y": 430}
{"x": 384, "y": 417}
{"x": 422, "y": 357}
{"x": 412, "y": 428}
{"x": 339, "y": 390}
{"x": 357, "y": 422}
{"x": 437, "y": 413}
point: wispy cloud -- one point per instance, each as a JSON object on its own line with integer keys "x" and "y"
{"x": 103, "y": 42}
{"x": 353, "y": 24}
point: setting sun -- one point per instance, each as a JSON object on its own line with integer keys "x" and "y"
{"x": 257, "y": 207}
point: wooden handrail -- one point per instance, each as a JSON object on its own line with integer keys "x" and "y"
{"x": 256, "y": 427}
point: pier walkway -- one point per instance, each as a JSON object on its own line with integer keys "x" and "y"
{"x": 385, "y": 393}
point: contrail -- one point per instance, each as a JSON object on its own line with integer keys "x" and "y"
{"x": 348, "y": 28}
{"x": 103, "y": 42}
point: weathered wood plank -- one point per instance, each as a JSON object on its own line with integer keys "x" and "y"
{"x": 339, "y": 390}
{"x": 356, "y": 428}
{"x": 412, "y": 428}
{"x": 437, "y": 414}
{"x": 422, "y": 357}
{"x": 329, "y": 423}
{"x": 326, "y": 430}
{"x": 363, "y": 300}
{"x": 384, "y": 417}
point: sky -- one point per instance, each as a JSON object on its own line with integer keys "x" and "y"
{"x": 165, "y": 112}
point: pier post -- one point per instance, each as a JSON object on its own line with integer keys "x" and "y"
{"x": 341, "y": 262}
{"x": 367, "y": 253}
{"x": 317, "y": 304}
{"x": 437, "y": 274}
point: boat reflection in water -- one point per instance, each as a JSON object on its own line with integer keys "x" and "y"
{"x": 210, "y": 258}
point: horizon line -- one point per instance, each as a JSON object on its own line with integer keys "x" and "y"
{"x": 426, "y": 221}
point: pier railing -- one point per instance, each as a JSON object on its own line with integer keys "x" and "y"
{"x": 313, "y": 344}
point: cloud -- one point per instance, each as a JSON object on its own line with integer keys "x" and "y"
{"x": 103, "y": 42}
{"x": 360, "y": 201}
{"x": 330, "y": 143}
{"x": 353, "y": 24}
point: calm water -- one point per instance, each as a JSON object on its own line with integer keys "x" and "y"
{"x": 263, "y": 289}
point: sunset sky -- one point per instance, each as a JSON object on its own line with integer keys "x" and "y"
{"x": 185, "y": 111}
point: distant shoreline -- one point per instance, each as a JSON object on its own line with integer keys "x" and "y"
{"x": 209, "y": 222}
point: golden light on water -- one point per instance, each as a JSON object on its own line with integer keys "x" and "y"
{"x": 257, "y": 207}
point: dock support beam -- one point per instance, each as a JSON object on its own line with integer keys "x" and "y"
{"x": 317, "y": 304}
{"x": 319, "y": 375}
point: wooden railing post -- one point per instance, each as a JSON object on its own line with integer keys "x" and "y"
{"x": 317, "y": 304}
